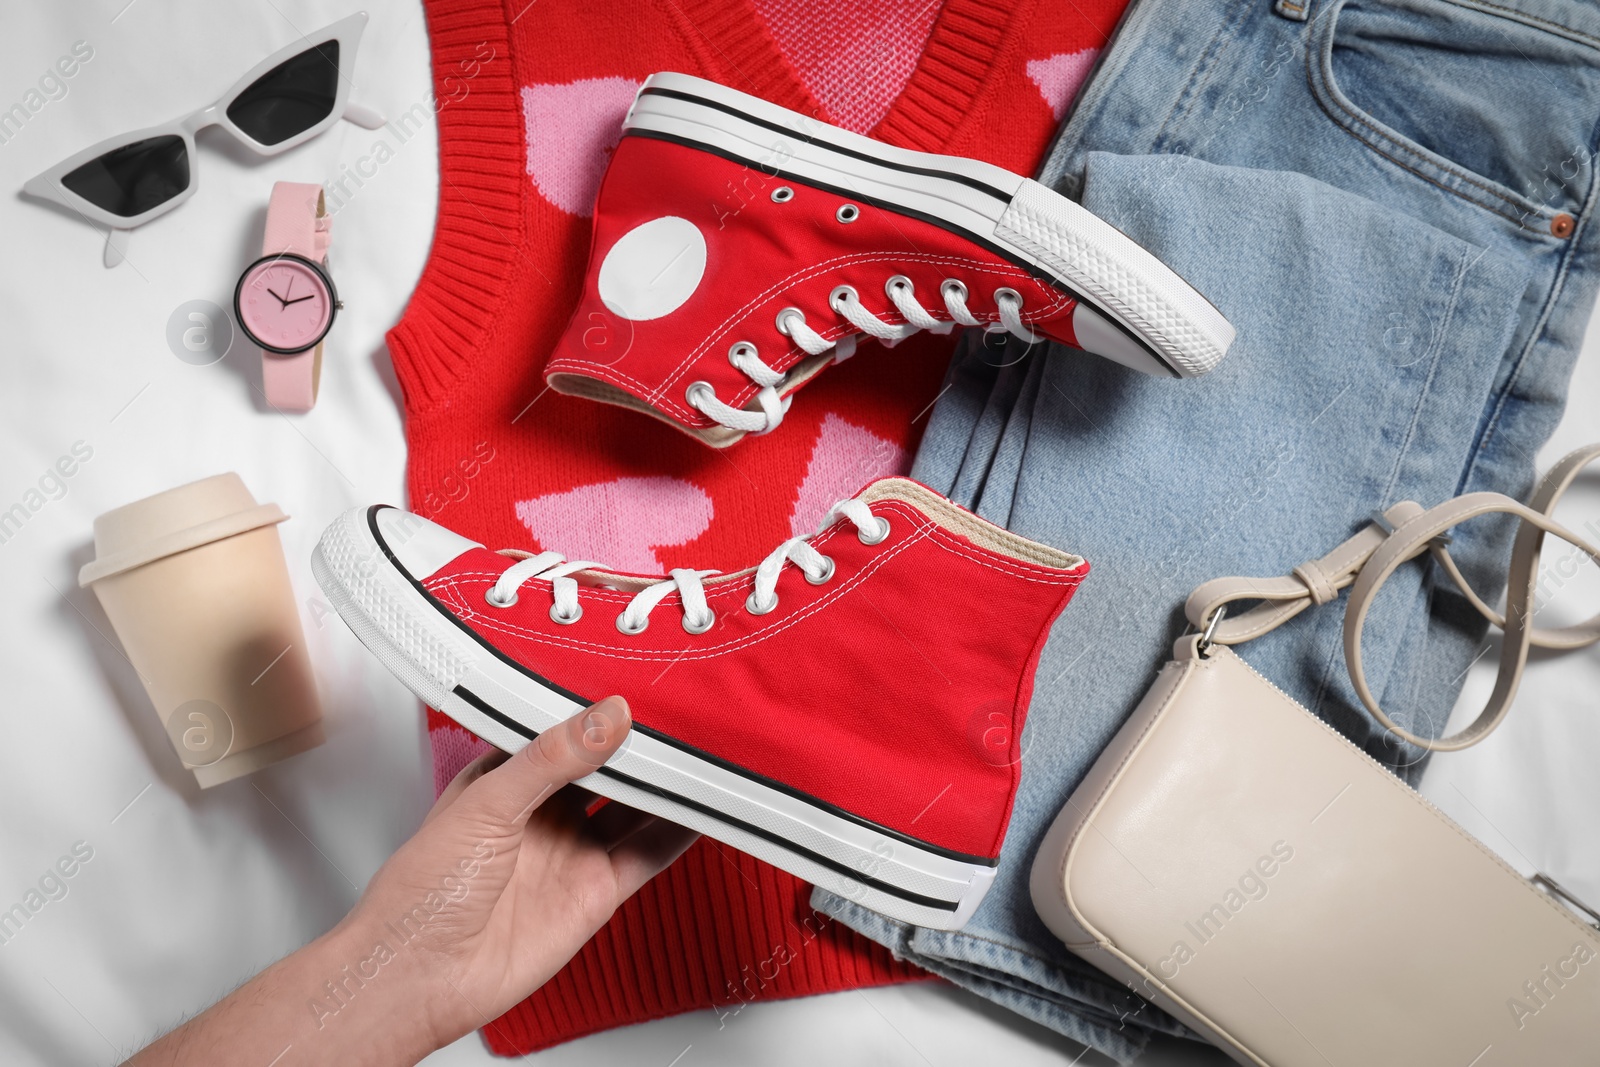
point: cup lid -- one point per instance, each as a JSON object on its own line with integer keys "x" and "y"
{"x": 174, "y": 521}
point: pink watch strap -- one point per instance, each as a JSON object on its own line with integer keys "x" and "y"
{"x": 298, "y": 222}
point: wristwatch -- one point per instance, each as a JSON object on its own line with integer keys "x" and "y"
{"x": 285, "y": 301}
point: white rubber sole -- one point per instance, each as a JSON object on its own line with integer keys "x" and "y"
{"x": 1177, "y": 331}
{"x": 453, "y": 670}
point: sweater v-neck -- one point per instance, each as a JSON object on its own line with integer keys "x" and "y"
{"x": 959, "y": 53}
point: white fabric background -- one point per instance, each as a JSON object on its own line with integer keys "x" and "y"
{"x": 190, "y": 893}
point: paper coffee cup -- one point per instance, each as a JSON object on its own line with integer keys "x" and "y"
{"x": 196, "y": 586}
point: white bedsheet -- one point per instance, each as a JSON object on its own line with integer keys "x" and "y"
{"x": 189, "y": 893}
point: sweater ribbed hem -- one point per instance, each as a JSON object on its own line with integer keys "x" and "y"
{"x": 717, "y": 930}
{"x": 472, "y": 266}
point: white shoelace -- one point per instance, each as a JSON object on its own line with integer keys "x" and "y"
{"x": 556, "y": 569}
{"x": 846, "y": 301}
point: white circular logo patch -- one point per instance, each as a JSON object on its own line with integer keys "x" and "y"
{"x": 653, "y": 269}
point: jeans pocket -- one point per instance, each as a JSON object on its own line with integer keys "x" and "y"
{"x": 1494, "y": 105}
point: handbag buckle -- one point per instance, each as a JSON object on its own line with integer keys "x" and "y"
{"x": 1555, "y": 889}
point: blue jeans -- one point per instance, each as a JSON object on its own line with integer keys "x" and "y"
{"x": 1391, "y": 202}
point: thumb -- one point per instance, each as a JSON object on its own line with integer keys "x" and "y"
{"x": 505, "y": 797}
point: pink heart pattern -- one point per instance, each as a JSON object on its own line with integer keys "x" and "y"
{"x": 844, "y": 458}
{"x": 619, "y": 523}
{"x": 1059, "y": 76}
{"x": 857, "y": 59}
{"x": 571, "y": 130}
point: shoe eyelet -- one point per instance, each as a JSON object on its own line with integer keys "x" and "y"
{"x": 753, "y": 606}
{"x": 783, "y": 316}
{"x": 495, "y": 601}
{"x": 702, "y": 389}
{"x": 827, "y": 572}
{"x": 624, "y": 628}
{"x": 847, "y": 213}
{"x": 741, "y": 349}
{"x": 1007, "y": 292}
{"x": 782, "y": 194}
{"x": 951, "y": 283}
{"x": 692, "y": 628}
{"x": 883, "y": 532}
{"x": 842, "y": 293}
{"x": 899, "y": 281}
{"x": 566, "y": 620}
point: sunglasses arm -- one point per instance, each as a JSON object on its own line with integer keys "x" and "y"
{"x": 116, "y": 247}
{"x": 365, "y": 117}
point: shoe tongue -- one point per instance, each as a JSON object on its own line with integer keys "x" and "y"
{"x": 855, "y": 58}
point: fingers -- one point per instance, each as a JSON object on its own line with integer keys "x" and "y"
{"x": 500, "y": 792}
{"x": 505, "y": 796}
{"x": 464, "y": 777}
{"x": 647, "y": 852}
{"x": 571, "y": 802}
{"x": 614, "y": 822}
{"x": 582, "y": 798}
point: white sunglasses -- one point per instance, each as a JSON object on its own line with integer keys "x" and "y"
{"x": 285, "y": 100}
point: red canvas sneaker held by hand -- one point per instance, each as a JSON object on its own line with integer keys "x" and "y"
{"x": 849, "y": 709}
{"x": 740, "y": 248}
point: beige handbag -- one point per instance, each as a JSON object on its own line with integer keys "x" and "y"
{"x": 1243, "y": 866}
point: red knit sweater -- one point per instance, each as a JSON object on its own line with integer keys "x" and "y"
{"x": 530, "y": 96}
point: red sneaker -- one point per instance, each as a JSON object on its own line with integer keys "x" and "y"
{"x": 848, "y": 710}
{"x": 740, "y": 248}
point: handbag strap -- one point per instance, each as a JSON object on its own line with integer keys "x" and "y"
{"x": 1365, "y": 562}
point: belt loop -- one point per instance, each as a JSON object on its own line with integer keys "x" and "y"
{"x": 1317, "y": 583}
{"x": 1296, "y": 10}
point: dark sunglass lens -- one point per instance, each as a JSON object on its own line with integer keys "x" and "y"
{"x": 131, "y": 180}
{"x": 291, "y": 97}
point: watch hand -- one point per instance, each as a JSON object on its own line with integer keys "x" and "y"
{"x": 281, "y": 300}
{"x": 296, "y": 300}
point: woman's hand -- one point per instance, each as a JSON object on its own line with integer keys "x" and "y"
{"x": 507, "y": 878}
